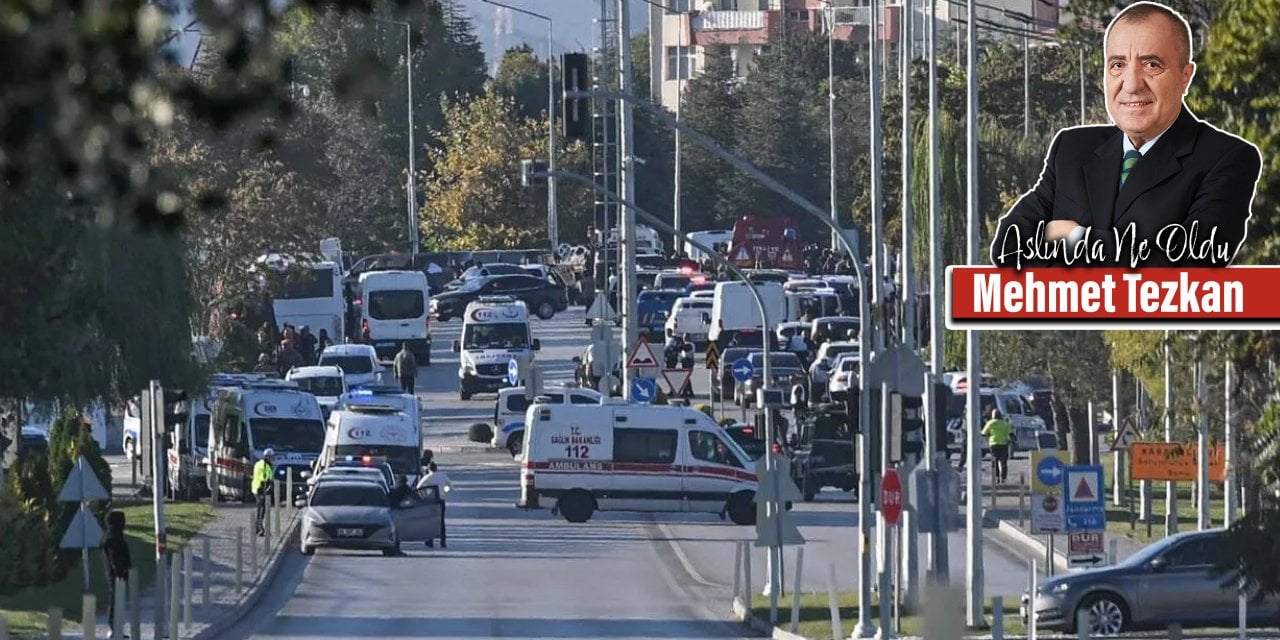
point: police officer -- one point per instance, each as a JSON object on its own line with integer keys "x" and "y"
{"x": 999, "y": 434}
{"x": 263, "y": 473}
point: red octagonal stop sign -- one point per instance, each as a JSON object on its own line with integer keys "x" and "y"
{"x": 891, "y": 497}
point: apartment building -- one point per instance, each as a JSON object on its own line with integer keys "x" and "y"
{"x": 747, "y": 27}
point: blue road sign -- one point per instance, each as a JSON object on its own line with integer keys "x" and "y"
{"x": 1050, "y": 471}
{"x": 1085, "y": 503}
{"x": 513, "y": 372}
{"x": 742, "y": 370}
{"x": 644, "y": 390}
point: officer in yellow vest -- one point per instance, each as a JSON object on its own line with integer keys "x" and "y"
{"x": 999, "y": 435}
{"x": 263, "y": 472}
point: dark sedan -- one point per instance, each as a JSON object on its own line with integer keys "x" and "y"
{"x": 543, "y": 297}
{"x": 786, "y": 369}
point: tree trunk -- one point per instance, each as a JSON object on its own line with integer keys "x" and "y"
{"x": 1060, "y": 421}
{"x": 1079, "y": 427}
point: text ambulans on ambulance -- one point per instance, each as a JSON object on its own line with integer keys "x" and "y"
{"x": 248, "y": 420}
{"x": 495, "y": 330}
{"x": 620, "y": 457}
{"x": 370, "y": 430}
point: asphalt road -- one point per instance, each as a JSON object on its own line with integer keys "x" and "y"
{"x": 510, "y": 573}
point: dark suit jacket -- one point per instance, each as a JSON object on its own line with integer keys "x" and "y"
{"x": 1192, "y": 174}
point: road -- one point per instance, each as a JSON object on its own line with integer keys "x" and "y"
{"x": 510, "y": 573}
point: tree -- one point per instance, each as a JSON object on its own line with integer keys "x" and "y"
{"x": 710, "y": 104}
{"x": 522, "y": 78}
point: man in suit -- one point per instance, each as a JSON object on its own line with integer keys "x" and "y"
{"x": 1159, "y": 188}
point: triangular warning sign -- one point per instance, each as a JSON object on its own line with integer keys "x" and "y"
{"x": 84, "y": 532}
{"x": 642, "y": 357}
{"x": 600, "y": 308}
{"x": 1084, "y": 491}
{"x": 742, "y": 254}
{"x": 1127, "y": 436}
{"x": 82, "y": 484}
{"x": 777, "y": 530}
{"x": 677, "y": 380}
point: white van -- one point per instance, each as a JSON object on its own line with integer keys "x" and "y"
{"x": 687, "y": 316}
{"x": 379, "y": 431}
{"x": 619, "y": 457}
{"x": 510, "y": 409}
{"x": 267, "y": 414}
{"x": 393, "y": 310}
{"x": 327, "y": 384}
{"x": 734, "y": 312}
{"x": 495, "y": 331}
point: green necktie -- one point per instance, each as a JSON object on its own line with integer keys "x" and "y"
{"x": 1131, "y": 158}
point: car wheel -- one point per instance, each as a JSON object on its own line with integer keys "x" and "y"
{"x": 546, "y": 310}
{"x": 514, "y": 443}
{"x": 1108, "y": 614}
{"x": 577, "y": 506}
{"x": 742, "y": 508}
{"x": 308, "y": 550}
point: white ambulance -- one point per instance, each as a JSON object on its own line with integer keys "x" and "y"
{"x": 261, "y": 415}
{"x": 495, "y": 331}
{"x": 512, "y": 405}
{"x": 379, "y": 431}
{"x": 622, "y": 457}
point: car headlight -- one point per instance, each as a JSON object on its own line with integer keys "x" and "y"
{"x": 1061, "y": 587}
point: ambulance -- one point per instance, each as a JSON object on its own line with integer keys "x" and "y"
{"x": 261, "y": 415}
{"x": 625, "y": 457}
{"x": 371, "y": 430}
{"x": 495, "y": 331}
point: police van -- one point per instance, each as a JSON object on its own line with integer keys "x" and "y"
{"x": 261, "y": 415}
{"x": 623, "y": 457}
{"x": 495, "y": 330}
{"x": 371, "y": 430}
{"x": 513, "y": 403}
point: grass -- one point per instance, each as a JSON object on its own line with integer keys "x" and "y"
{"x": 27, "y": 610}
{"x": 815, "y": 615}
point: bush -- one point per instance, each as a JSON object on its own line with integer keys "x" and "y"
{"x": 26, "y": 557}
{"x": 480, "y": 432}
{"x": 69, "y": 438}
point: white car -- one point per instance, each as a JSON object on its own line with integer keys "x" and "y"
{"x": 359, "y": 363}
{"x": 844, "y": 374}
{"x": 828, "y": 353}
{"x": 327, "y": 384}
{"x": 687, "y": 316}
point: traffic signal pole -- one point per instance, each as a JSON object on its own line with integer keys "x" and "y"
{"x": 627, "y": 184}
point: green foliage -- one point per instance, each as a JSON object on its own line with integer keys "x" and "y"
{"x": 1253, "y": 552}
{"x": 26, "y": 557}
{"x": 711, "y": 105}
{"x": 522, "y": 78}
{"x": 69, "y": 439}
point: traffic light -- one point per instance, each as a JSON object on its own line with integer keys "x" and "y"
{"x": 575, "y": 76}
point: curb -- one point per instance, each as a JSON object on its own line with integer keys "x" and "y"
{"x": 761, "y": 626}
{"x": 1011, "y": 535}
{"x": 250, "y": 598}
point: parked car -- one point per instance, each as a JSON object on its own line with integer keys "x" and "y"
{"x": 543, "y": 298}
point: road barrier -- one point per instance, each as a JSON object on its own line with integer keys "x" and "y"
{"x": 187, "y": 591}
{"x": 239, "y": 559}
{"x": 997, "y": 618}
{"x": 206, "y": 563}
{"x": 795, "y": 591}
{"x": 89, "y": 616}
{"x": 833, "y": 603}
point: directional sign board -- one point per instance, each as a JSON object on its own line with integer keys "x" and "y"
{"x": 1085, "y": 504}
{"x": 676, "y": 379}
{"x": 513, "y": 372}
{"x": 1048, "y": 470}
{"x": 1127, "y": 435}
{"x": 713, "y": 356}
{"x": 742, "y": 370}
{"x": 1084, "y": 548}
{"x": 1173, "y": 461}
{"x": 644, "y": 390}
{"x": 642, "y": 356}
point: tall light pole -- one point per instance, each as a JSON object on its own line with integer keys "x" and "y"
{"x": 411, "y": 188}
{"x": 553, "y": 211}
{"x": 831, "y": 115}
{"x": 627, "y": 184}
{"x": 938, "y": 564}
{"x": 676, "y": 218}
{"x": 1171, "y": 488}
{"x": 973, "y": 520}
{"x": 908, "y": 327}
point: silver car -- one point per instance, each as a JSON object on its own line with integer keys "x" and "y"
{"x": 359, "y": 514}
{"x": 1169, "y": 581}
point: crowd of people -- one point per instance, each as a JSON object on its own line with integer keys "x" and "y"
{"x": 292, "y": 347}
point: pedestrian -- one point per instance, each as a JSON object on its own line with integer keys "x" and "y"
{"x": 265, "y": 365}
{"x": 307, "y": 344}
{"x": 406, "y": 367}
{"x": 440, "y": 480}
{"x": 263, "y": 474}
{"x": 400, "y": 491}
{"x": 322, "y": 343}
{"x": 116, "y": 553}
{"x": 289, "y": 357}
{"x": 999, "y": 433}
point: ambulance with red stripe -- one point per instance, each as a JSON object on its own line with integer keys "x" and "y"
{"x": 627, "y": 457}
{"x": 254, "y": 417}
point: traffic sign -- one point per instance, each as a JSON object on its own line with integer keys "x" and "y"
{"x": 644, "y": 390}
{"x": 891, "y": 497}
{"x": 1084, "y": 502}
{"x": 82, "y": 484}
{"x": 712, "y": 356}
{"x": 1048, "y": 472}
{"x": 642, "y": 356}
{"x": 742, "y": 370}
{"x": 513, "y": 372}
{"x": 1127, "y": 435}
{"x": 677, "y": 379}
{"x": 600, "y": 308}
{"x": 777, "y": 488}
{"x": 1173, "y": 461}
{"x": 84, "y": 532}
{"x": 1084, "y": 548}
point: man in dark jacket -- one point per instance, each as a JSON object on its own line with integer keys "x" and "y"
{"x": 116, "y": 552}
{"x": 406, "y": 369}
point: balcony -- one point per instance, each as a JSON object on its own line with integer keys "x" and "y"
{"x": 735, "y": 27}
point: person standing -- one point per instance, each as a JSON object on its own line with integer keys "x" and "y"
{"x": 263, "y": 473}
{"x": 116, "y": 552}
{"x": 999, "y": 433}
{"x": 406, "y": 367}
{"x": 440, "y": 480}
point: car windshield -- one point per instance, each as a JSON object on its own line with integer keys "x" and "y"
{"x": 288, "y": 435}
{"x": 498, "y": 335}
{"x": 403, "y": 460}
{"x": 321, "y": 385}
{"x": 472, "y": 284}
{"x": 350, "y": 364}
{"x": 835, "y": 352}
{"x": 395, "y": 305}
{"x": 202, "y": 430}
{"x": 348, "y": 495}
{"x": 778, "y": 360}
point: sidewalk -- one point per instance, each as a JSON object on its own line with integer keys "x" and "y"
{"x": 226, "y": 604}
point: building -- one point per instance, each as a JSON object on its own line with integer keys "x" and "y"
{"x": 687, "y": 27}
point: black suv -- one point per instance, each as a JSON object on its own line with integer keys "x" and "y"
{"x": 543, "y": 298}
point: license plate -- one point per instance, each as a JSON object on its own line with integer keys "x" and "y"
{"x": 350, "y": 533}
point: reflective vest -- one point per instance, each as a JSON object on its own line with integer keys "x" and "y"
{"x": 998, "y": 431}
{"x": 262, "y": 472}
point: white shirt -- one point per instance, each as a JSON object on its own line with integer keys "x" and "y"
{"x": 436, "y": 478}
{"x": 1127, "y": 145}
{"x": 798, "y": 344}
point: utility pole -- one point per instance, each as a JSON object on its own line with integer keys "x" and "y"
{"x": 907, "y": 266}
{"x": 1202, "y": 444}
{"x": 1026, "y": 75}
{"x": 1171, "y": 488}
{"x": 973, "y": 516}
{"x": 553, "y": 206}
{"x": 1230, "y": 488}
{"x": 937, "y": 543}
{"x": 878, "y": 261}
{"x": 831, "y": 117}
{"x": 1081, "y": 56}
{"x": 413, "y": 190}
{"x": 627, "y": 228}
{"x": 676, "y": 217}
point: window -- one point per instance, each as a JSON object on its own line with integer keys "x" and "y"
{"x": 1012, "y": 406}
{"x": 307, "y": 283}
{"x": 1193, "y": 553}
{"x": 288, "y": 435}
{"x": 708, "y": 447}
{"x": 581, "y": 399}
{"x": 678, "y": 6}
{"x": 349, "y": 495}
{"x": 350, "y": 365}
{"x": 321, "y": 386}
{"x": 798, "y": 15}
{"x": 500, "y": 335}
{"x": 680, "y": 63}
{"x": 395, "y": 305}
{"x": 653, "y": 446}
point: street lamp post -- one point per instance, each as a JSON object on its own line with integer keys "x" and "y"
{"x": 411, "y": 189}
{"x": 553, "y": 211}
